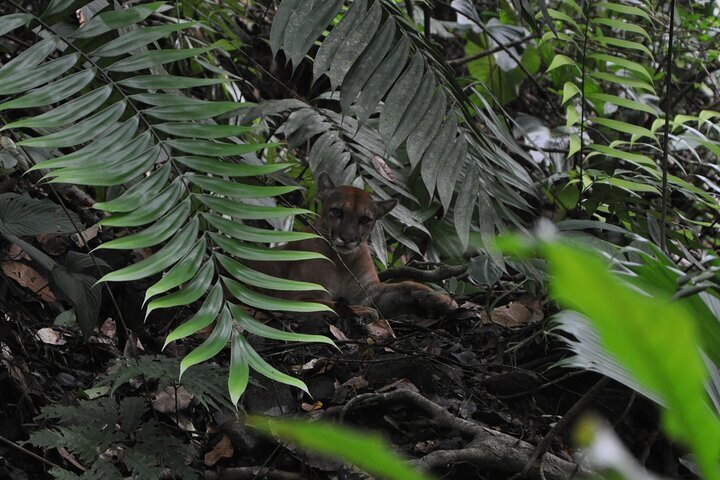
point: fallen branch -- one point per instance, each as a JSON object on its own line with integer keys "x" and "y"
{"x": 435, "y": 273}
{"x": 488, "y": 448}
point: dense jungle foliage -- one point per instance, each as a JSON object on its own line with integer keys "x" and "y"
{"x": 556, "y": 167}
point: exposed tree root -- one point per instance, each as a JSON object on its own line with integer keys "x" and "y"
{"x": 487, "y": 449}
{"x": 423, "y": 272}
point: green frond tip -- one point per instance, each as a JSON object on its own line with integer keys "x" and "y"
{"x": 212, "y": 346}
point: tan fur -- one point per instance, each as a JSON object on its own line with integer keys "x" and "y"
{"x": 346, "y": 219}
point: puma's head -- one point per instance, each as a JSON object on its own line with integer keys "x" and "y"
{"x": 348, "y": 214}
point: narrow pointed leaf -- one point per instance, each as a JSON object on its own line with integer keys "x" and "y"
{"x": 239, "y": 375}
{"x": 237, "y": 190}
{"x": 151, "y": 210}
{"x": 115, "y": 175}
{"x": 160, "y": 260}
{"x": 400, "y": 97}
{"x": 448, "y": 175}
{"x": 152, "y": 58}
{"x": 622, "y": 102}
{"x": 253, "y": 234}
{"x": 249, "y": 212}
{"x": 81, "y": 132}
{"x": 28, "y": 59}
{"x": 24, "y": 80}
{"x": 67, "y": 113}
{"x": 435, "y": 157}
{"x": 263, "y": 368}
{"x": 212, "y": 346}
{"x": 261, "y": 330}
{"x": 52, "y": 93}
{"x": 230, "y": 169}
{"x": 419, "y": 140}
{"x": 465, "y": 205}
{"x": 155, "y": 234}
{"x": 138, "y": 38}
{"x": 306, "y": 24}
{"x": 204, "y": 316}
{"x": 282, "y": 17}
{"x": 251, "y": 252}
{"x": 194, "y": 109}
{"x": 162, "y": 82}
{"x": 202, "y": 130}
{"x": 8, "y": 23}
{"x": 139, "y": 193}
{"x": 216, "y": 149}
{"x": 261, "y": 280}
{"x": 113, "y": 20}
{"x": 181, "y": 272}
{"x": 188, "y": 294}
{"x": 329, "y": 47}
{"x": 624, "y": 127}
{"x": 413, "y": 113}
{"x": 265, "y": 302}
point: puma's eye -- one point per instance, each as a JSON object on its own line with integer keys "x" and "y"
{"x": 336, "y": 212}
{"x": 365, "y": 220}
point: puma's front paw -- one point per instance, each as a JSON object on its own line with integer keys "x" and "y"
{"x": 365, "y": 314}
{"x": 434, "y": 304}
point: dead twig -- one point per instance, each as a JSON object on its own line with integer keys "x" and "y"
{"x": 431, "y": 273}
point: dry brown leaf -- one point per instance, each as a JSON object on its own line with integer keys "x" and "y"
{"x": 382, "y": 168}
{"x": 53, "y": 243}
{"x": 222, "y": 449}
{"x": 168, "y": 398}
{"x": 88, "y": 234}
{"x": 108, "y": 328}
{"x": 17, "y": 253}
{"x": 29, "y": 278}
{"x": 380, "y": 330}
{"x": 518, "y": 313}
{"x": 50, "y": 336}
{"x": 70, "y": 458}
{"x": 311, "y": 407}
{"x": 338, "y": 334}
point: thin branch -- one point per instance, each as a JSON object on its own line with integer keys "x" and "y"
{"x": 666, "y": 134}
{"x": 470, "y": 58}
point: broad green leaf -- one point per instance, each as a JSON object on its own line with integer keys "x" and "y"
{"x": 194, "y": 110}
{"x": 24, "y": 80}
{"x": 67, "y": 113}
{"x": 426, "y": 129}
{"x": 251, "y": 252}
{"x": 216, "y": 149}
{"x": 8, "y": 23}
{"x": 212, "y": 346}
{"x": 265, "y": 302}
{"x": 230, "y": 169}
{"x": 623, "y": 26}
{"x": 81, "y": 132}
{"x": 277, "y": 30}
{"x": 623, "y": 62}
{"x": 165, "y": 82}
{"x": 236, "y": 189}
{"x": 559, "y": 61}
{"x": 107, "y": 145}
{"x": 622, "y": 102}
{"x": 181, "y": 272}
{"x": 652, "y": 336}
{"x": 331, "y": 44}
{"x": 569, "y": 91}
{"x": 115, "y": 175}
{"x": 153, "y": 58}
{"x": 236, "y": 209}
{"x": 189, "y": 293}
{"x": 23, "y": 215}
{"x": 465, "y": 205}
{"x": 202, "y": 130}
{"x": 239, "y": 375}
{"x": 572, "y": 116}
{"x": 575, "y": 145}
{"x": 160, "y": 260}
{"x": 624, "y": 127}
{"x": 134, "y": 39}
{"x": 260, "y": 329}
{"x": 624, "y": 9}
{"x": 261, "y": 280}
{"x": 28, "y": 59}
{"x": 401, "y": 97}
{"x": 435, "y": 157}
{"x": 263, "y": 368}
{"x": 254, "y": 234}
{"x": 413, "y": 113}
{"x": 153, "y": 208}
{"x": 115, "y": 19}
{"x": 305, "y": 25}
{"x": 139, "y": 193}
{"x": 52, "y": 93}
{"x": 157, "y": 233}
{"x": 449, "y": 174}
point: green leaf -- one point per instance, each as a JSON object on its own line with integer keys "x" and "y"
{"x": 633, "y": 158}
{"x": 230, "y": 169}
{"x": 262, "y": 280}
{"x": 630, "y": 186}
{"x": 154, "y": 58}
{"x": 624, "y": 127}
{"x": 253, "y": 234}
{"x": 265, "y": 302}
{"x": 236, "y": 189}
{"x": 134, "y": 39}
{"x": 183, "y": 271}
{"x": 262, "y": 367}
{"x": 368, "y": 452}
{"x": 569, "y": 91}
{"x": 212, "y": 346}
{"x": 623, "y": 26}
{"x": 251, "y": 325}
{"x": 160, "y": 260}
{"x": 400, "y": 98}
{"x": 116, "y": 19}
{"x": 155, "y": 234}
{"x": 202, "y": 130}
{"x": 193, "y": 109}
{"x": 151, "y": 210}
{"x": 465, "y": 204}
{"x": 239, "y": 375}
{"x": 116, "y": 174}
{"x": 24, "y": 80}
{"x": 305, "y": 25}
{"x": 561, "y": 60}
{"x": 426, "y": 129}
{"x": 67, "y": 113}
{"x": 52, "y": 93}
{"x": 622, "y": 102}
{"x": 8, "y": 23}
{"x": 188, "y": 294}
{"x": 163, "y": 82}
{"x": 575, "y": 145}
{"x": 623, "y": 80}
{"x": 624, "y": 9}
{"x": 252, "y": 252}
{"x": 623, "y": 62}
{"x": 620, "y": 43}
{"x": 81, "y": 132}
{"x": 236, "y": 209}
{"x": 216, "y": 149}
{"x": 138, "y": 194}
{"x": 28, "y": 59}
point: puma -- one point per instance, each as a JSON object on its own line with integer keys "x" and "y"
{"x": 347, "y": 217}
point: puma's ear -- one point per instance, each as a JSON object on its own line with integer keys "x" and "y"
{"x": 385, "y": 206}
{"x": 324, "y": 184}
